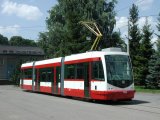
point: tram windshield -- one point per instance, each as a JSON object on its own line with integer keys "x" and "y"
{"x": 119, "y": 72}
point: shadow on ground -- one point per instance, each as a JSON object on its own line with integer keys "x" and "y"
{"x": 116, "y": 103}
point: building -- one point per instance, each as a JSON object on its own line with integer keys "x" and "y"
{"x": 10, "y": 56}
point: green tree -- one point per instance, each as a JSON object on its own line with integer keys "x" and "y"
{"x": 158, "y": 26}
{"x": 43, "y": 42}
{"x": 158, "y": 45}
{"x": 19, "y": 41}
{"x": 57, "y": 35}
{"x": 16, "y": 75}
{"x": 153, "y": 78}
{"x": 3, "y": 40}
{"x": 158, "y": 34}
{"x": 146, "y": 51}
{"x": 134, "y": 42}
{"x": 16, "y": 40}
{"x": 65, "y": 36}
{"x": 28, "y": 42}
{"x": 107, "y": 20}
{"x": 117, "y": 41}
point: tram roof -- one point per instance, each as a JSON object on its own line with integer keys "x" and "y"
{"x": 88, "y": 54}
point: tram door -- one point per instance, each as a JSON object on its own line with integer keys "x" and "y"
{"x": 37, "y": 82}
{"x": 52, "y": 80}
{"x": 58, "y": 78}
{"x": 86, "y": 80}
{"x": 22, "y": 76}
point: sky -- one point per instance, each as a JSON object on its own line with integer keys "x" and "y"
{"x": 26, "y": 18}
{"x": 148, "y": 9}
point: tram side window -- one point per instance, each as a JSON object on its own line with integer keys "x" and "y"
{"x": 80, "y": 71}
{"x": 74, "y": 71}
{"x": 27, "y": 73}
{"x": 46, "y": 74}
{"x": 42, "y": 76}
{"x": 70, "y": 71}
{"x": 50, "y": 76}
{"x": 97, "y": 70}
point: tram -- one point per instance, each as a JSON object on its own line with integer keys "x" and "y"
{"x": 96, "y": 75}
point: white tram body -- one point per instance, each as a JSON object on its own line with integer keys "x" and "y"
{"x": 99, "y": 75}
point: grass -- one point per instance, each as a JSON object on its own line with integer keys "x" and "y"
{"x": 146, "y": 90}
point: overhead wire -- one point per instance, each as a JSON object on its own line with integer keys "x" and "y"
{"x": 128, "y": 6}
{"x": 139, "y": 17}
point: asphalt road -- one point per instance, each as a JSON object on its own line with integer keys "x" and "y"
{"x": 16, "y": 104}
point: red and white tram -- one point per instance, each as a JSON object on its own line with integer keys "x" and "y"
{"x": 98, "y": 75}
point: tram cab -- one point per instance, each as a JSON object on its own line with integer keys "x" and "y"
{"x": 118, "y": 74}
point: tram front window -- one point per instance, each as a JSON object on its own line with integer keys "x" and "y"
{"x": 119, "y": 72}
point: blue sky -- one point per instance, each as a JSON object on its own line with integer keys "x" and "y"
{"x": 27, "y": 17}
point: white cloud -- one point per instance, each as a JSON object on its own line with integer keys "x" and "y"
{"x": 142, "y": 21}
{"x": 122, "y": 25}
{"x": 121, "y": 22}
{"x": 11, "y": 30}
{"x": 154, "y": 39}
{"x": 124, "y": 34}
{"x": 144, "y": 4}
{"x": 21, "y": 10}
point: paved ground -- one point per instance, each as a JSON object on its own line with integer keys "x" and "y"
{"x": 16, "y": 104}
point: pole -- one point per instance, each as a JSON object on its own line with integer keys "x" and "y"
{"x": 128, "y": 38}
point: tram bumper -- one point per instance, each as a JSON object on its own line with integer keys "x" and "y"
{"x": 119, "y": 94}
{"x": 113, "y": 95}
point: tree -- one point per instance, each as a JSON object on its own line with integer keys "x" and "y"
{"x": 43, "y": 42}
{"x": 3, "y": 40}
{"x": 28, "y": 42}
{"x": 153, "y": 78}
{"x": 19, "y": 41}
{"x": 158, "y": 46}
{"x": 134, "y": 42}
{"x": 107, "y": 22}
{"x": 16, "y": 75}
{"x": 158, "y": 26}
{"x": 158, "y": 34}
{"x": 57, "y": 35}
{"x": 146, "y": 51}
{"x": 16, "y": 40}
{"x": 65, "y": 36}
{"x": 117, "y": 41}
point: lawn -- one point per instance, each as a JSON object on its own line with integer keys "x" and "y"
{"x": 143, "y": 89}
